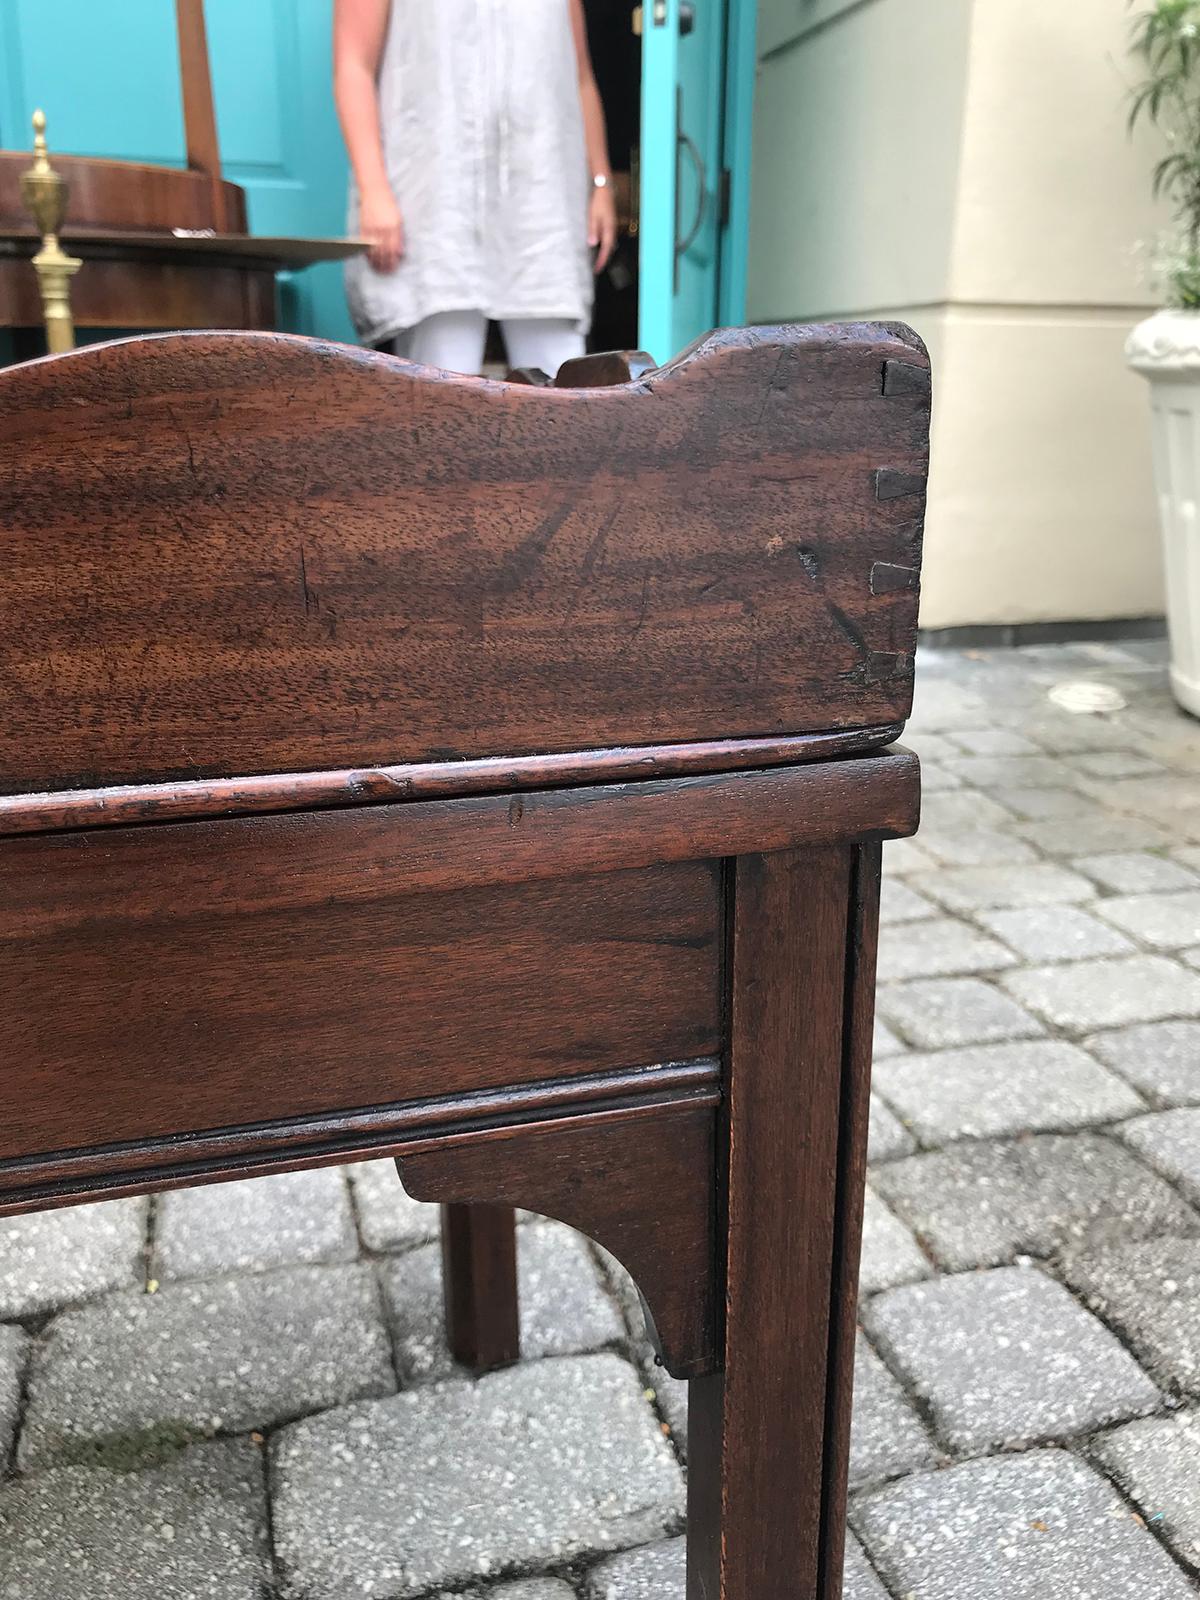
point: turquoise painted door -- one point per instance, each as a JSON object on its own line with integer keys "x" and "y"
{"x": 106, "y": 74}
{"x": 697, "y": 88}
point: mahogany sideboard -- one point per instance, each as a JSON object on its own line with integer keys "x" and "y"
{"x": 490, "y": 775}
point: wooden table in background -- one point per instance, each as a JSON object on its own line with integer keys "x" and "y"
{"x": 157, "y": 278}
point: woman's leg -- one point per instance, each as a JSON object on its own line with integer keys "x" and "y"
{"x": 544, "y": 342}
{"x": 452, "y": 340}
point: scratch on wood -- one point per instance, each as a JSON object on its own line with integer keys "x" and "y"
{"x": 520, "y": 564}
{"x": 311, "y": 603}
{"x": 850, "y": 630}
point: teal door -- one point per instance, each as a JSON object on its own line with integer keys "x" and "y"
{"x": 106, "y": 74}
{"x": 697, "y": 89}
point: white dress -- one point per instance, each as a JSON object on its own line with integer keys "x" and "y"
{"x": 483, "y": 140}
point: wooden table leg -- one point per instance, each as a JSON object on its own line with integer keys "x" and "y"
{"x": 479, "y": 1279}
{"x": 768, "y": 1437}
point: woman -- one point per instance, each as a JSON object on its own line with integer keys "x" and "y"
{"x": 480, "y": 176}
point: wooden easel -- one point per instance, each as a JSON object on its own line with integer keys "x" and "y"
{"x": 199, "y": 112}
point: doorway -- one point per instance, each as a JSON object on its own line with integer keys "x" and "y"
{"x": 616, "y": 53}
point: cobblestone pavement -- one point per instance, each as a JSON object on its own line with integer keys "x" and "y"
{"x": 242, "y": 1391}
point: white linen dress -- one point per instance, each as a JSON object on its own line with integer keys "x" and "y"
{"x": 483, "y": 141}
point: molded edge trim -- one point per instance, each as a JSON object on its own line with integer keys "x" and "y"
{"x": 123, "y": 804}
{"x": 32, "y": 1183}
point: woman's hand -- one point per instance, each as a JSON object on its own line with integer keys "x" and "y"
{"x": 379, "y": 220}
{"x": 602, "y": 225}
{"x": 602, "y": 210}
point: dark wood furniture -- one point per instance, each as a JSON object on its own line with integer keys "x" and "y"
{"x": 156, "y": 278}
{"x": 492, "y": 775}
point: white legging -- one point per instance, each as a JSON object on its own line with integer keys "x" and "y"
{"x": 454, "y": 341}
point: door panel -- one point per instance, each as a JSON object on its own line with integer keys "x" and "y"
{"x": 741, "y": 71}
{"x": 698, "y": 164}
{"x": 656, "y": 228}
{"x": 114, "y": 92}
{"x": 682, "y": 115}
{"x": 697, "y": 88}
{"x": 272, "y": 81}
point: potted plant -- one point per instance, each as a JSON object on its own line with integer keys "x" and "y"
{"x": 1166, "y": 347}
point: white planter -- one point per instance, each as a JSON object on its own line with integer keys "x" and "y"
{"x": 1165, "y": 349}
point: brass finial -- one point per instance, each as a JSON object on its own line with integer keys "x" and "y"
{"x": 45, "y": 194}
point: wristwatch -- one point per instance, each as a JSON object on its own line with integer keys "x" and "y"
{"x": 600, "y": 180}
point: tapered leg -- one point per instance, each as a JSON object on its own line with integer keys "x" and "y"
{"x": 768, "y": 1436}
{"x": 479, "y": 1279}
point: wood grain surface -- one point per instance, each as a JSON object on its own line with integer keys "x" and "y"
{"x": 120, "y": 287}
{"x": 309, "y": 791}
{"x": 643, "y": 1186}
{"x": 181, "y": 1007}
{"x": 124, "y": 194}
{"x": 854, "y": 1116}
{"x": 757, "y": 1459}
{"x": 481, "y": 774}
{"x": 237, "y": 554}
{"x": 480, "y": 1288}
{"x": 143, "y": 1165}
{"x": 72, "y": 880}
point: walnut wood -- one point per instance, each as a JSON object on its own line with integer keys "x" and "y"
{"x": 479, "y": 1285}
{"x": 307, "y": 791}
{"x": 139, "y": 288}
{"x": 848, "y": 1208}
{"x": 422, "y": 567}
{"x": 140, "y": 1166}
{"x": 124, "y": 194}
{"x": 152, "y": 280}
{"x": 595, "y": 371}
{"x": 198, "y": 1005}
{"x": 600, "y": 1179}
{"x": 257, "y": 575}
{"x": 757, "y": 1462}
{"x": 58, "y": 883}
{"x": 155, "y": 244}
{"x": 606, "y": 367}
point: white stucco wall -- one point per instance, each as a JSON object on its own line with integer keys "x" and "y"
{"x": 964, "y": 164}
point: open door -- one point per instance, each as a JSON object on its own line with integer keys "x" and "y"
{"x": 697, "y": 90}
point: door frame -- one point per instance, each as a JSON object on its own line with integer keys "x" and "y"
{"x": 741, "y": 73}
{"x": 660, "y": 56}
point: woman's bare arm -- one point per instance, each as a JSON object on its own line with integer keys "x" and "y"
{"x": 602, "y": 212}
{"x": 359, "y": 31}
